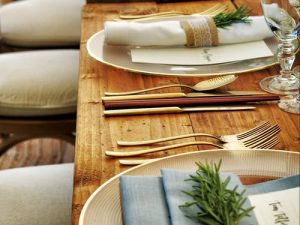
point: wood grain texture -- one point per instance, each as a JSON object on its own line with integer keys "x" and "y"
{"x": 42, "y": 151}
{"x": 97, "y": 134}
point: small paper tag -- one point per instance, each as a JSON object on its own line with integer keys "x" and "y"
{"x": 201, "y": 56}
{"x": 277, "y": 208}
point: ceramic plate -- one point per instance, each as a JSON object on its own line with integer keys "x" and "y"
{"x": 120, "y": 57}
{"x": 103, "y": 207}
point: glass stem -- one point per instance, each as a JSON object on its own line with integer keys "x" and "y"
{"x": 286, "y": 58}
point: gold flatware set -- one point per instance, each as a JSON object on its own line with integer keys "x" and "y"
{"x": 262, "y": 136}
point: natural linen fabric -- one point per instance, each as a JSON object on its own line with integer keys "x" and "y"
{"x": 170, "y": 33}
{"x": 40, "y": 195}
{"x": 40, "y": 82}
{"x": 174, "y": 183}
{"x": 138, "y": 199}
{"x": 41, "y": 22}
{"x": 143, "y": 202}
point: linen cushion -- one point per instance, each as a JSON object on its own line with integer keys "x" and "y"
{"x": 39, "y": 195}
{"x": 38, "y": 83}
{"x": 41, "y": 22}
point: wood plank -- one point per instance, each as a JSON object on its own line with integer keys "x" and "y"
{"x": 96, "y": 134}
{"x": 37, "y": 152}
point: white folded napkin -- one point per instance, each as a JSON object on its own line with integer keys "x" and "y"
{"x": 170, "y": 33}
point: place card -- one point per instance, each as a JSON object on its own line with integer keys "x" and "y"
{"x": 201, "y": 56}
{"x": 277, "y": 208}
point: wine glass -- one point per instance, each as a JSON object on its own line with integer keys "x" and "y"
{"x": 282, "y": 16}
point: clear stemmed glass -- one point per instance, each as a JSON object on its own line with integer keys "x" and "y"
{"x": 282, "y": 16}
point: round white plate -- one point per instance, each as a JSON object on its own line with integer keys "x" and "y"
{"x": 103, "y": 207}
{"x": 119, "y": 57}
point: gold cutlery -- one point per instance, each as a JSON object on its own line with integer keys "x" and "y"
{"x": 180, "y": 95}
{"x": 244, "y": 136}
{"x": 174, "y": 109}
{"x": 266, "y": 139}
{"x": 205, "y": 85}
{"x": 267, "y": 145}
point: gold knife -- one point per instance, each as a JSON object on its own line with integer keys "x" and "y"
{"x": 160, "y": 110}
{"x": 179, "y": 95}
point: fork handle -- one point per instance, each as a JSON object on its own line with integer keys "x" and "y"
{"x": 145, "y": 90}
{"x": 159, "y": 140}
{"x": 145, "y": 151}
{"x": 134, "y": 162}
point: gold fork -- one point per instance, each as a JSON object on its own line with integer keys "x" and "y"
{"x": 224, "y": 138}
{"x": 258, "y": 141}
{"x": 266, "y": 145}
{"x": 214, "y": 10}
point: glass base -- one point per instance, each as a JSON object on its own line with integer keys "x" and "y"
{"x": 279, "y": 86}
{"x": 290, "y": 104}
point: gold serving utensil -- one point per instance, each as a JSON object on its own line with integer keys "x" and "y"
{"x": 214, "y": 10}
{"x": 244, "y": 136}
{"x": 205, "y": 85}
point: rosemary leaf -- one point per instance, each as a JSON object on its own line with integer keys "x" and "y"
{"x": 240, "y": 15}
{"x": 216, "y": 204}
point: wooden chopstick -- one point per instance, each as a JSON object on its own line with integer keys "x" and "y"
{"x": 181, "y": 102}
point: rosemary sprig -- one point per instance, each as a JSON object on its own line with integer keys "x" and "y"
{"x": 240, "y": 15}
{"x": 214, "y": 202}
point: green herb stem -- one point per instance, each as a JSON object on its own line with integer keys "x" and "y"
{"x": 216, "y": 204}
{"x": 240, "y": 15}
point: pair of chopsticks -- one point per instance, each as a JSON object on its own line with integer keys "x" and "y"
{"x": 182, "y": 104}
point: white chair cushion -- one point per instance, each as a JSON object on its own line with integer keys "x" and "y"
{"x": 40, "y": 83}
{"x": 39, "y": 195}
{"x": 41, "y": 22}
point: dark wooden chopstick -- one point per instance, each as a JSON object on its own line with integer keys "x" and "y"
{"x": 181, "y": 102}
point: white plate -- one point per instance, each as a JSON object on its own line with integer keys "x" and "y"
{"x": 119, "y": 57}
{"x": 103, "y": 207}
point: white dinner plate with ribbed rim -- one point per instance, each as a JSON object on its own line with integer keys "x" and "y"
{"x": 104, "y": 207}
{"x": 120, "y": 57}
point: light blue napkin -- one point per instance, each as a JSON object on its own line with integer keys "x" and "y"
{"x": 174, "y": 183}
{"x": 143, "y": 198}
{"x": 274, "y": 185}
{"x": 143, "y": 201}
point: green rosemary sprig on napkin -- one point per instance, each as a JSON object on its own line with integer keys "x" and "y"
{"x": 215, "y": 203}
{"x": 240, "y": 15}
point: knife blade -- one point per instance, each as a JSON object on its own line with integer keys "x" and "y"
{"x": 180, "y": 95}
{"x": 160, "y": 110}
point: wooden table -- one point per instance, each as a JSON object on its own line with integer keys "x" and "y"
{"x": 96, "y": 133}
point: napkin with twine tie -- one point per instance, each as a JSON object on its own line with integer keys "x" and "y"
{"x": 192, "y": 31}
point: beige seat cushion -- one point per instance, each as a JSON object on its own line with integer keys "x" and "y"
{"x": 41, "y": 22}
{"x": 38, "y": 83}
{"x": 40, "y": 195}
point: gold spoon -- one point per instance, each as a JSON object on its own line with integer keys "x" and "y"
{"x": 205, "y": 85}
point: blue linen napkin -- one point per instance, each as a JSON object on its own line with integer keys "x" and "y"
{"x": 274, "y": 185}
{"x": 174, "y": 183}
{"x": 143, "y": 198}
{"x": 143, "y": 201}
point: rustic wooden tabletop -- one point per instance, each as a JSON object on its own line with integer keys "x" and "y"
{"x": 95, "y": 133}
